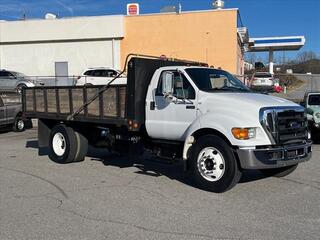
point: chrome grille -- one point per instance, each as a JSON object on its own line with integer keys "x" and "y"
{"x": 284, "y": 125}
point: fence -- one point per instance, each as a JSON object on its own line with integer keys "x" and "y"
{"x": 53, "y": 80}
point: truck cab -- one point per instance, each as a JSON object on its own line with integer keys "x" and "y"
{"x": 196, "y": 104}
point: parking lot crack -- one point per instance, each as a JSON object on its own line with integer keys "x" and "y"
{"x": 40, "y": 178}
{"x": 135, "y": 225}
{"x": 300, "y": 183}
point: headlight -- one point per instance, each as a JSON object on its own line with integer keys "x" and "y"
{"x": 243, "y": 133}
{"x": 317, "y": 115}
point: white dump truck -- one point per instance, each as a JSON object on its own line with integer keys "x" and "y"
{"x": 179, "y": 110}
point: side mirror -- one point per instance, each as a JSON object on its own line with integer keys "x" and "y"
{"x": 303, "y": 104}
{"x": 167, "y": 84}
{"x": 309, "y": 111}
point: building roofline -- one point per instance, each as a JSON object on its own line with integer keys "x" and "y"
{"x": 184, "y": 12}
{"x": 59, "y": 19}
{"x": 121, "y": 15}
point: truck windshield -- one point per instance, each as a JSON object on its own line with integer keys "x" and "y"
{"x": 208, "y": 79}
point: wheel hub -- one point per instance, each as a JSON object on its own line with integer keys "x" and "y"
{"x": 211, "y": 164}
{"x": 59, "y": 144}
{"x": 20, "y": 124}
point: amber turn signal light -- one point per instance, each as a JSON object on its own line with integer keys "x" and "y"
{"x": 243, "y": 133}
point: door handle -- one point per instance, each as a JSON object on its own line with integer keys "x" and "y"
{"x": 190, "y": 107}
{"x": 152, "y": 105}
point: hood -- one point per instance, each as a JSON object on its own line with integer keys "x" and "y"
{"x": 244, "y": 101}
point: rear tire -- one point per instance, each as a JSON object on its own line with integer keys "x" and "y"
{"x": 82, "y": 149}
{"x": 213, "y": 164}
{"x": 278, "y": 172}
{"x": 66, "y": 145}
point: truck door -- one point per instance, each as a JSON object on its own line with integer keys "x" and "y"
{"x": 171, "y": 118}
{"x": 2, "y": 113}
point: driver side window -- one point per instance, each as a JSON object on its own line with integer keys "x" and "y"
{"x": 182, "y": 88}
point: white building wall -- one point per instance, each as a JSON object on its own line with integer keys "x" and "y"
{"x": 39, "y": 59}
{"x": 32, "y": 47}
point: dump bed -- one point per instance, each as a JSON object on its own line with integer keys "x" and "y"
{"x": 59, "y": 103}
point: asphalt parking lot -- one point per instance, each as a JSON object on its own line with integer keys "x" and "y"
{"x": 106, "y": 197}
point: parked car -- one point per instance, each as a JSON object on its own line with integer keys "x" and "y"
{"x": 99, "y": 76}
{"x": 312, "y": 103}
{"x": 11, "y": 80}
{"x": 11, "y": 112}
{"x": 262, "y": 81}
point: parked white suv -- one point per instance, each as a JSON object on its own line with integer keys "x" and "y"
{"x": 262, "y": 80}
{"x": 100, "y": 76}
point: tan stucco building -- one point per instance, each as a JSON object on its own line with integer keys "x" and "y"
{"x": 36, "y": 46}
{"x": 207, "y": 36}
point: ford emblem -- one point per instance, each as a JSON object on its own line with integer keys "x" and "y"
{"x": 294, "y": 125}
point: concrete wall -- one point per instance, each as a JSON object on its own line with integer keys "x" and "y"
{"x": 33, "y": 46}
{"x": 207, "y": 36}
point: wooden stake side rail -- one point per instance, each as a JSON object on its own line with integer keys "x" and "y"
{"x": 59, "y": 102}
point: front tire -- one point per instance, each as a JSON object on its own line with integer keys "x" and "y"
{"x": 20, "y": 87}
{"x": 278, "y": 172}
{"x": 213, "y": 164}
{"x": 66, "y": 145}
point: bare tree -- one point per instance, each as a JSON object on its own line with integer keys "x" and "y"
{"x": 251, "y": 58}
{"x": 306, "y": 56}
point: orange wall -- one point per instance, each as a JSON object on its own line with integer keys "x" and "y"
{"x": 208, "y": 36}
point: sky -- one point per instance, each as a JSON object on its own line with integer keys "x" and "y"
{"x": 262, "y": 17}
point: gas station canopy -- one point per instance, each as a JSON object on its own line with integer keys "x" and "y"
{"x": 271, "y": 44}
{"x": 276, "y": 43}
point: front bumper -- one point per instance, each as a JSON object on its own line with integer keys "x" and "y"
{"x": 274, "y": 157}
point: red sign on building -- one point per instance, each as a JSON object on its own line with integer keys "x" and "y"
{"x": 133, "y": 9}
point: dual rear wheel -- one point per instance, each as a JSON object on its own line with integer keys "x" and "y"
{"x": 67, "y": 145}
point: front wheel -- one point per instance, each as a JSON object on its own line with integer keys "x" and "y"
{"x": 213, "y": 164}
{"x": 278, "y": 172}
{"x": 20, "y": 87}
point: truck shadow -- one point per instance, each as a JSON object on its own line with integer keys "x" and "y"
{"x": 156, "y": 167}
{"x": 34, "y": 144}
{"x": 147, "y": 165}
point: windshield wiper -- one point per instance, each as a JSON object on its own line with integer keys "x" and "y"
{"x": 237, "y": 88}
{"x": 231, "y": 89}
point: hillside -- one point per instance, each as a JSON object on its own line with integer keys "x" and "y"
{"x": 312, "y": 66}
